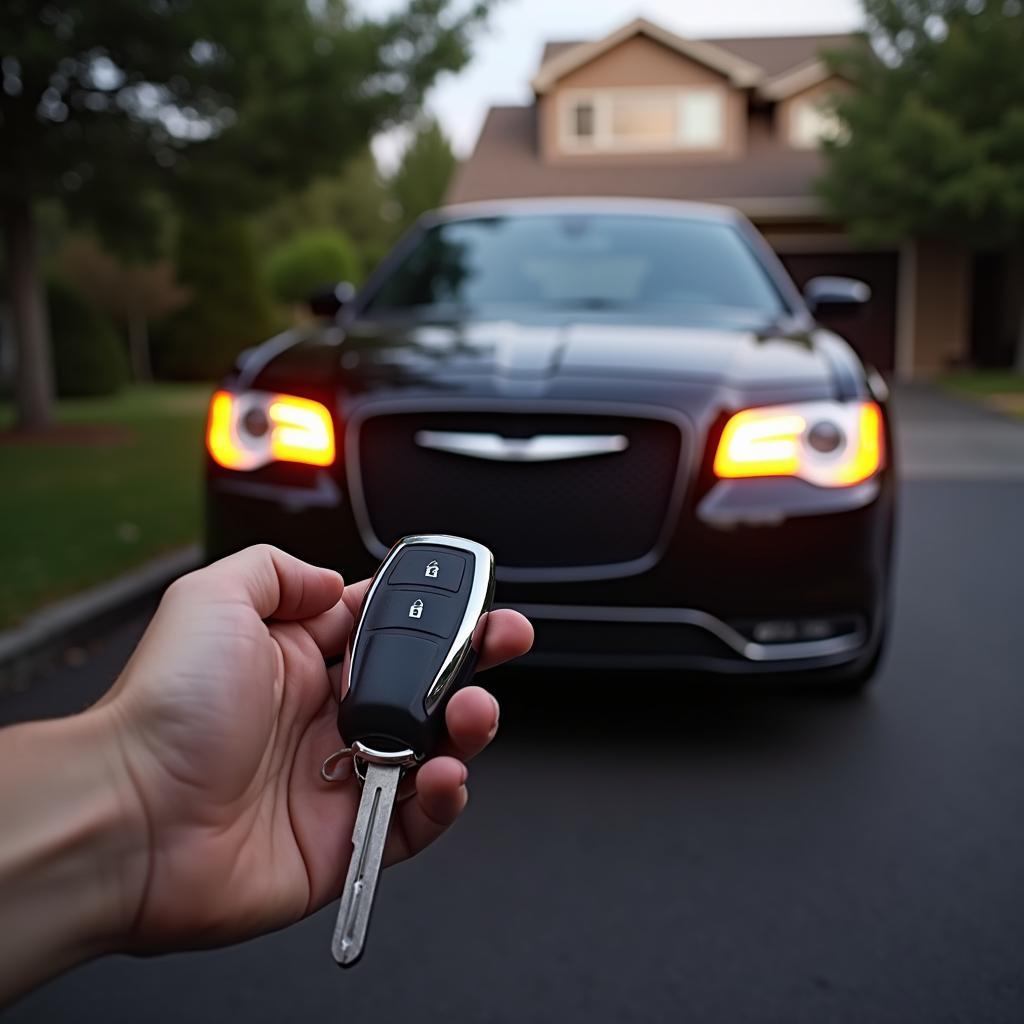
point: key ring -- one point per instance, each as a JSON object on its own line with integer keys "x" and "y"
{"x": 362, "y": 755}
{"x": 328, "y": 768}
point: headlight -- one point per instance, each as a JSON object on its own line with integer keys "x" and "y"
{"x": 831, "y": 444}
{"x": 248, "y": 430}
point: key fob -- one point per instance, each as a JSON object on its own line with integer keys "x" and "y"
{"x": 416, "y": 642}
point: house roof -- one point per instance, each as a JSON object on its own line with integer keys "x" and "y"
{"x": 506, "y": 163}
{"x": 778, "y": 54}
{"x": 772, "y": 178}
{"x": 777, "y": 57}
{"x": 739, "y": 71}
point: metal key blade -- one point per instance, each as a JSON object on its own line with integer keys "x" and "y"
{"x": 371, "y": 830}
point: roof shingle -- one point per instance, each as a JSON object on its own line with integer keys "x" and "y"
{"x": 506, "y": 164}
{"x": 773, "y": 54}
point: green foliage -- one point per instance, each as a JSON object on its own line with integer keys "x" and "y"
{"x": 354, "y": 201}
{"x": 230, "y": 308}
{"x": 936, "y": 122}
{"x": 224, "y": 103}
{"x": 310, "y": 261}
{"x": 89, "y": 358}
{"x": 422, "y": 179}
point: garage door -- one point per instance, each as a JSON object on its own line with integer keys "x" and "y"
{"x": 871, "y": 331}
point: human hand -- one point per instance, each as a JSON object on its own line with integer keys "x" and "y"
{"x": 223, "y": 717}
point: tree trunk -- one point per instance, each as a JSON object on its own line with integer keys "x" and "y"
{"x": 138, "y": 346}
{"x": 34, "y": 380}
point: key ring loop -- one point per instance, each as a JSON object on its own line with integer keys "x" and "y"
{"x": 329, "y": 767}
{"x": 362, "y": 755}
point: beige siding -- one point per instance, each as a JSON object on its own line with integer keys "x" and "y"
{"x": 940, "y": 305}
{"x": 640, "y": 62}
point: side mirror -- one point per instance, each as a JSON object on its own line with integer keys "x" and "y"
{"x": 835, "y": 294}
{"x": 326, "y": 303}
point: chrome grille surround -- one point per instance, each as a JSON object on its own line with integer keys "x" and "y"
{"x": 685, "y": 466}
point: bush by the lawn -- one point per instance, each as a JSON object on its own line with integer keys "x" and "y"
{"x": 89, "y": 358}
{"x": 315, "y": 259}
{"x": 230, "y": 307}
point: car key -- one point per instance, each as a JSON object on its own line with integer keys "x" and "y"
{"x": 416, "y": 642}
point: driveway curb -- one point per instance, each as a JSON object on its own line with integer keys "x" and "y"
{"x": 46, "y": 634}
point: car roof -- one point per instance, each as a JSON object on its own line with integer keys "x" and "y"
{"x": 586, "y": 205}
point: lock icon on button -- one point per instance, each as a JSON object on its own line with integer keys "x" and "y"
{"x": 432, "y": 568}
{"x": 416, "y": 609}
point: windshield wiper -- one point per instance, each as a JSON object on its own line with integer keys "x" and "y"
{"x": 589, "y": 302}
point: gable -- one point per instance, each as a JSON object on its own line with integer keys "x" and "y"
{"x": 779, "y": 66}
{"x": 640, "y": 61}
{"x": 569, "y": 59}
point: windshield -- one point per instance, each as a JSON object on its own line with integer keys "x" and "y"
{"x": 582, "y": 261}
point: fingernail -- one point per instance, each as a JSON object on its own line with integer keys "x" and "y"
{"x": 465, "y": 775}
{"x": 497, "y": 708}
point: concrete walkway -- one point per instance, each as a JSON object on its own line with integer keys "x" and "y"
{"x": 941, "y": 437}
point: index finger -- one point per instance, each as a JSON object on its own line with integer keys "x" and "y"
{"x": 274, "y": 583}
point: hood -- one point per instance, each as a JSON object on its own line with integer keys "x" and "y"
{"x": 544, "y": 350}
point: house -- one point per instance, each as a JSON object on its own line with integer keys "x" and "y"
{"x": 645, "y": 112}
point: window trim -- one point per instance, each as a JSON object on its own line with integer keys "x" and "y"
{"x": 604, "y": 141}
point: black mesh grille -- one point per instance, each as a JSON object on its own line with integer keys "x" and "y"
{"x": 598, "y": 510}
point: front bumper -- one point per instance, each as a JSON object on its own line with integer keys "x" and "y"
{"x": 748, "y": 584}
{"x": 595, "y": 637}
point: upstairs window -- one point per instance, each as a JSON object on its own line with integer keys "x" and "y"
{"x": 583, "y": 120}
{"x": 639, "y": 119}
{"x": 812, "y": 120}
{"x": 643, "y": 120}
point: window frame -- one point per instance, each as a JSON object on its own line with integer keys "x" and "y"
{"x": 604, "y": 140}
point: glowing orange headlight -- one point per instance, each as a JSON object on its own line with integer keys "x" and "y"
{"x": 302, "y": 431}
{"x": 250, "y": 429}
{"x": 759, "y": 442}
{"x": 780, "y": 441}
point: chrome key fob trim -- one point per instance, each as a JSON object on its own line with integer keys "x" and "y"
{"x": 462, "y": 647}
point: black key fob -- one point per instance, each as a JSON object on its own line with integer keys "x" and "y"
{"x": 416, "y": 642}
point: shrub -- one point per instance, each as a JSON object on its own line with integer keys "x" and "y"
{"x": 229, "y": 310}
{"x": 309, "y": 261}
{"x": 88, "y": 356}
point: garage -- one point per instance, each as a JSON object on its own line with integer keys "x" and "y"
{"x": 872, "y": 330}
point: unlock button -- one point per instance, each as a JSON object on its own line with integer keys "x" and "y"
{"x": 427, "y": 611}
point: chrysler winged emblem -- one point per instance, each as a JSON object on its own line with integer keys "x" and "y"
{"x": 540, "y": 448}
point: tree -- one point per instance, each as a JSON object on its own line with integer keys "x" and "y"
{"x": 354, "y": 201}
{"x": 422, "y": 178}
{"x": 224, "y": 105}
{"x": 935, "y": 119}
{"x": 88, "y": 356}
{"x": 132, "y": 292}
{"x": 309, "y": 261}
{"x": 230, "y": 307}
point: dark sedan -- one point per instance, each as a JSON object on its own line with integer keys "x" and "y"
{"x": 627, "y": 401}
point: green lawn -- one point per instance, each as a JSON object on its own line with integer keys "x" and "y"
{"x": 119, "y": 484}
{"x": 1002, "y": 390}
{"x": 985, "y": 382}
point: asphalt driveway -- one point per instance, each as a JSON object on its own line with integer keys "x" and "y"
{"x": 635, "y": 851}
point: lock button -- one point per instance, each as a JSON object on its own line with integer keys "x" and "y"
{"x": 427, "y": 611}
{"x": 429, "y": 567}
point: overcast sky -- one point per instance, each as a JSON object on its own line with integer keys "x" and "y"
{"x": 507, "y": 52}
